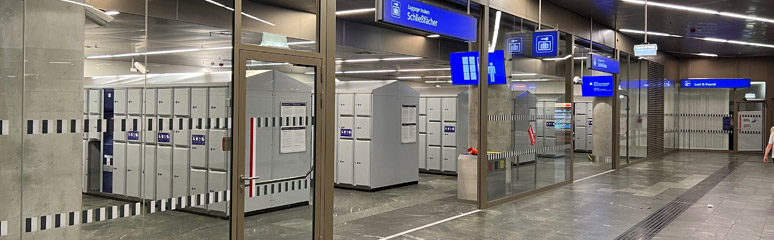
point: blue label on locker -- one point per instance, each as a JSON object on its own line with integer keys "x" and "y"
{"x": 198, "y": 140}
{"x": 346, "y": 132}
{"x": 590, "y": 123}
{"x": 549, "y": 124}
{"x": 164, "y": 137}
{"x": 449, "y": 129}
{"x": 133, "y": 135}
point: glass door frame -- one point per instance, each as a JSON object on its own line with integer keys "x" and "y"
{"x": 624, "y": 159}
{"x": 736, "y": 126}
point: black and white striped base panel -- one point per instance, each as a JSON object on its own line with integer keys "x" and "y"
{"x": 3, "y": 228}
{"x": 520, "y": 117}
{"x": 503, "y": 155}
{"x": 4, "y": 126}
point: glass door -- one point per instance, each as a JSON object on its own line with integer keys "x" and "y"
{"x": 277, "y": 158}
{"x": 751, "y": 131}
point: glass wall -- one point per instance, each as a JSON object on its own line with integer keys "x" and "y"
{"x": 670, "y": 114}
{"x": 529, "y": 131}
{"x": 624, "y": 85}
{"x": 638, "y": 110}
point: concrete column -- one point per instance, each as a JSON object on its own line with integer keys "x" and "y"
{"x": 603, "y": 127}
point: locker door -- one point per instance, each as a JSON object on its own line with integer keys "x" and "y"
{"x": 449, "y": 159}
{"x": 119, "y": 168}
{"x": 422, "y": 106}
{"x": 93, "y": 123}
{"x": 433, "y": 158}
{"x": 164, "y": 172}
{"x": 363, "y": 104}
{"x": 362, "y": 163}
{"x": 134, "y": 101}
{"x": 198, "y": 103}
{"x": 199, "y": 148}
{"x": 345, "y": 163}
{"x": 422, "y": 151}
{"x": 182, "y": 105}
{"x": 580, "y": 138}
{"x": 422, "y": 124}
{"x": 347, "y": 123}
{"x": 198, "y": 183}
{"x": 363, "y": 128}
{"x": 217, "y": 182}
{"x": 215, "y": 153}
{"x": 85, "y": 101}
{"x": 449, "y": 134}
{"x": 133, "y": 169}
{"x": 434, "y": 133}
{"x": 181, "y": 134}
{"x": 165, "y": 101}
{"x": 449, "y": 106}
{"x": 590, "y": 110}
{"x": 434, "y": 109}
{"x": 149, "y": 173}
{"x": 581, "y": 120}
{"x": 540, "y": 127}
{"x": 218, "y": 102}
{"x": 151, "y": 123}
{"x": 346, "y": 104}
{"x": 581, "y": 108}
{"x": 95, "y": 98}
{"x": 119, "y": 101}
{"x": 119, "y": 128}
{"x": 180, "y": 170}
{"x": 589, "y": 142}
{"x": 150, "y": 101}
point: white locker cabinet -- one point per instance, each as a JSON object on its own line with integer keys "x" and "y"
{"x": 363, "y": 104}
{"x": 581, "y": 120}
{"x": 199, "y": 148}
{"x": 95, "y": 98}
{"x": 182, "y": 98}
{"x": 198, "y": 183}
{"x": 217, "y": 181}
{"x": 422, "y": 124}
{"x": 180, "y": 171}
{"x": 181, "y": 137}
{"x": 151, "y": 127}
{"x": 347, "y": 104}
{"x": 449, "y": 134}
{"x": 434, "y": 109}
{"x": 362, "y": 169}
{"x": 119, "y": 101}
{"x": 590, "y": 142}
{"x": 345, "y": 162}
{"x": 540, "y": 128}
{"x": 580, "y": 138}
{"x": 215, "y": 154}
{"x": 217, "y": 102}
{"x": 347, "y": 123}
{"x": 449, "y": 106}
{"x": 198, "y": 103}
{"x": 134, "y": 101}
{"x": 449, "y": 156}
{"x": 133, "y": 169}
{"x": 422, "y": 151}
{"x": 93, "y": 123}
{"x": 163, "y": 172}
{"x": 581, "y": 108}
{"x": 149, "y": 173}
{"x": 423, "y": 106}
{"x": 119, "y": 128}
{"x": 434, "y": 133}
{"x": 150, "y": 101}
{"x": 433, "y": 158}
{"x": 119, "y": 168}
{"x": 590, "y": 110}
{"x": 363, "y": 128}
{"x": 165, "y": 102}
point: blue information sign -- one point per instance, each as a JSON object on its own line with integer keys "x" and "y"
{"x": 164, "y": 137}
{"x": 426, "y": 17}
{"x": 545, "y": 44}
{"x": 133, "y": 135}
{"x": 198, "y": 140}
{"x": 603, "y": 64}
{"x": 464, "y": 68}
{"x": 597, "y": 86}
{"x": 716, "y": 83}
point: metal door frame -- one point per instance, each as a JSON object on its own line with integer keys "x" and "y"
{"x": 628, "y": 135}
{"x": 735, "y": 120}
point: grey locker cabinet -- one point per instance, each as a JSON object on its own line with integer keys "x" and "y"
{"x": 163, "y": 172}
{"x": 217, "y": 102}
{"x": 217, "y": 181}
{"x": 362, "y": 173}
{"x": 150, "y": 101}
{"x": 119, "y": 168}
{"x": 198, "y": 103}
{"x": 119, "y": 101}
{"x": 446, "y": 125}
{"x": 198, "y": 184}
{"x": 182, "y": 104}
{"x": 134, "y": 101}
{"x": 165, "y": 102}
{"x": 133, "y": 169}
{"x": 149, "y": 173}
{"x": 215, "y": 154}
{"x": 95, "y": 100}
{"x": 345, "y": 168}
{"x": 180, "y": 169}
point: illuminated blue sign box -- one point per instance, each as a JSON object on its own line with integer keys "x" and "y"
{"x": 603, "y": 64}
{"x": 545, "y": 44}
{"x": 464, "y": 68}
{"x": 426, "y": 17}
{"x": 715, "y": 83}
{"x": 597, "y": 86}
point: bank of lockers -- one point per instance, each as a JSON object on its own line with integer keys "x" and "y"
{"x": 180, "y": 169}
{"x": 443, "y": 120}
{"x": 199, "y": 103}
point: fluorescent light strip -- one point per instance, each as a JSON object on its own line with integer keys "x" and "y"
{"x": 363, "y": 60}
{"x": 579, "y": 58}
{"x": 524, "y": 74}
{"x": 157, "y": 52}
{"x": 300, "y": 43}
{"x": 410, "y": 77}
{"x": 709, "y": 39}
{"x": 355, "y": 11}
{"x": 112, "y": 13}
{"x": 438, "y": 81}
{"x": 493, "y": 44}
{"x": 424, "y": 69}
{"x": 243, "y": 13}
{"x": 401, "y": 58}
{"x": 707, "y": 54}
{"x": 434, "y": 35}
{"x": 370, "y": 71}
{"x": 649, "y": 33}
{"x": 557, "y": 59}
{"x": 437, "y": 76}
{"x": 265, "y": 64}
{"x": 702, "y": 10}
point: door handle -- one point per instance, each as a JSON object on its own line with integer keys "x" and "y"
{"x": 249, "y": 178}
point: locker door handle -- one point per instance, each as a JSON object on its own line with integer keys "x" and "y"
{"x": 177, "y": 176}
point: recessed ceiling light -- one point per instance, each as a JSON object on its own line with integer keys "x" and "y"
{"x": 401, "y": 58}
{"x": 355, "y": 11}
{"x": 557, "y": 59}
{"x": 434, "y": 36}
{"x": 300, "y": 43}
{"x": 112, "y": 13}
{"x": 409, "y": 77}
{"x": 701, "y": 10}
{"x": 707, "y": 54}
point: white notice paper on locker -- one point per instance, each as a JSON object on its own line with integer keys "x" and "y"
{"x": 408, "y": 114}
{"x": 408, "y": 133}
{"x": 293, "y": 109}
{"x": 292, "y": 139}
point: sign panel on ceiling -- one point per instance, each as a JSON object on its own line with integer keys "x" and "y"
{"x": 644, "y": 50}
{"x": 597, "y": 86}
{"x": 464, "y": 68}
{"x": 426, "y": 17}
{"x": 603, "y": 64}
{"x": 545, "y": 44}
{"x": 715, "y": 83}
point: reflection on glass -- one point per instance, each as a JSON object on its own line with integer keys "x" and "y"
{"x": 288, "y": 25}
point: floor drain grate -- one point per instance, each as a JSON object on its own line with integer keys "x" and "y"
{"x": 653, "y": 224}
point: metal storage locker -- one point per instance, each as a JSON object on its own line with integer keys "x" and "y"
{"x": 119, "y": 128}
{"x": 363, "y": 127}
{"x": 95, "y": 100}
{"x": 133, "y": 169}
{"x": 346, "y": 104}
{"x": 434, "y": 133}
{"x": 345, "y": 164}
{"x": 449, "y": 156}
{"x": 590, "y": 142}
{"x": 422, "y": 124}
{"x": 449, "y": 106}
{"x": 215, "y": 154}
{"x": 198, "y": 184}
{"x": 134, "y": 101}
{"x": 149, "y": 173}
{"x": 199, "y": 148}
{"x": 362, "y": 170}
{"x": 119, "y": 168}
{"x": 198, "y": 103}
{"x": 93, "y": 123}
{"x": 119, "y": 101}
{"x": 363, "y": 104}
{"x": 581, "y": 120}
{"x": 218, "y": 103}
{"x": 182, "y": 105}
{"x": 580, "y": 138}
{"x": 180, "y": 171}
{"x": 164, "y": 172}
{"x": 434, "y": 109}
{"x": 218, "y": 181}
{"x": 347, "y": 123}
{"x": 422, "y": 151}
{"x": 150, "y": 101}
{"x": 423, "y": 106}
{"x": 165, "y": 102}
{"x": 433, "y": 158}
{"x": 181, "y": 133}
{"x": 449, "y": 134}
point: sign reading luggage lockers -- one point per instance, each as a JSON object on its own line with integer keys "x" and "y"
{"x": 408, "y": 124}
{"x": 293, "y": 130}
{"x": 426, "y": 17}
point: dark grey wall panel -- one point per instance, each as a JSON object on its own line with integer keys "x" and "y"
{"x": 655, "y": 108}
{"x": 357, "y": 35}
